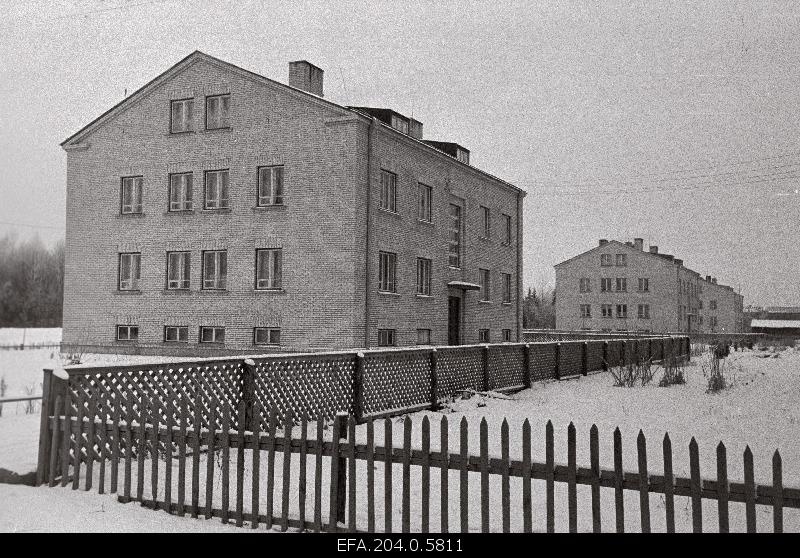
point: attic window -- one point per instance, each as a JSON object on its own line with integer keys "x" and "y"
{"x": 462, "y": 155}
{"x": 399, "y": 123}
{"x": 217, "y": 112}
{"x": 181, "y": 116}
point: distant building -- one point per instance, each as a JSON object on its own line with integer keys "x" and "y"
{"x": 619, "y": 286}
{"x": 778, "y": 320}
{"x": 216, "y": 210}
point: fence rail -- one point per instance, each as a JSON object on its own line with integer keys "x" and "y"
{"x": 348, "y": 492}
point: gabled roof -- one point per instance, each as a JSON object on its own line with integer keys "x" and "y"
{"x": 197, "y": 55}
{"x": 174, "y": 70}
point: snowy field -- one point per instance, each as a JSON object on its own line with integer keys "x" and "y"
{"x": 32, "y": 336}
{"x": 760, "y": 409}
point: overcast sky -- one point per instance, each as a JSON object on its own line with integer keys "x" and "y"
{"x": 677, "y": 123}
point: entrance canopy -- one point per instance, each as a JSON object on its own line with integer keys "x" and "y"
{"x": 463, "y": 285}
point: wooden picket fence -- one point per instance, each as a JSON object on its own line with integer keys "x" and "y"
{"x": 216, "y": 477}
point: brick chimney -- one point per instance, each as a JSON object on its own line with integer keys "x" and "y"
{"x": 304, "y": 75}
{"x": 603, "y": 242}
{"x": 679, "y": 262}
{"x": 638, "y": 243}
{"x": 654, "y": 249}
{"x": 708, "y": 278}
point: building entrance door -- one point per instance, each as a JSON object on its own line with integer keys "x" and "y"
{"x": 453, "y": 320}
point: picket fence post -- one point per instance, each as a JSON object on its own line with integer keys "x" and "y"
{"x": 358, "y": 387}
{"x": 434, "y": 358}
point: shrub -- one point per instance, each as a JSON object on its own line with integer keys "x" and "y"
{"x": 646, "y": 371}
{"x": 628, "y": 375}
{"x": 673, "y": 372}
{"x": 716, "y": 374}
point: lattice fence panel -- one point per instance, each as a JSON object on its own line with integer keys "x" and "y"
{"x": 459, "y": 369}
{"x": 168, "y": 386}
{"x": 505, "y": 366}
{"x": 614, "y": 353}
{"x": 315, "y": 386}
{"x": 570, "y": 361}
{"x": 543, "y": 361}
{"x": 594, "y": 355}
{"x": 658, "y": 349}
{"x": 396, "y": 380}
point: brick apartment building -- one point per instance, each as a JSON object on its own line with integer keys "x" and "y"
{"x": 215, "y": 210}
{"x": 618, "y": 286}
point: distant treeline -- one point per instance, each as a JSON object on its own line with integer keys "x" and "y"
{"x": 539, "y": 308}
{"x": 31, "y": 283}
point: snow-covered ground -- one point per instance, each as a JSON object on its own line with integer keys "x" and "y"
{"x": 761, "y": 408}
{"x": 24, "y": 509}
{"x": 31, "y": 335}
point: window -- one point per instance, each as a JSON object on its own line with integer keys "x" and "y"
{"x": 423, "y": 337}
{"x": 487, "y": 222}
{"x": 622, "y": 260}
{"x": 644, "y": 311}
{"x": 507, "y": 223}
{"x": 423, "y": 276}
{"x": 216, "y": 196}
{"x": 176, "y": 334}
{"x": 212, "y": 334}
{"x": 425, "y": 199}
{"x": 484, "y": 279}
{"x": 622, "y": 284}
{"x": 266, "y": 336}
{"x": 584, "y": 285}
{"x": 605, "y": 284}
{"x": 483, "y": 336}
{"x": 127, "y": 333}
{"x": 386, "y": 337}
{"x": 388, "y": 191}
{"x": 181, "y": 116}
{"x": 506, "y": 287}
{"x": 506, "y": 336}
{"x": 606, "y": 311}
{"x": 178, "y": 270}
{"x": 712, "y": 304}
{"x": 644, "y": 285}
{"x": 701, "y": 307}
{"x": 713, "y": 321}
{"x": 605, "y": 259}
{"x": 269, "y": 268}
{"x": 217, "y": 111}
{"x": 387, "y": 272}
{"x": 622, "y": 310}
{"x": 180, "y": 191}
{"x": 454, "y": 239}
{"x": 215, "y": 269}
{"x": 131, "y": 195}
{"x": 586, "y": 310}
{"x": 129, "y": 271}
{"x": 270, "y": 186}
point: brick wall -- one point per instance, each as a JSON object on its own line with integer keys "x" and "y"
{"x": 322, "y": 228}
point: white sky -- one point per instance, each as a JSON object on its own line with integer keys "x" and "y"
{"x": 677, "y": 123}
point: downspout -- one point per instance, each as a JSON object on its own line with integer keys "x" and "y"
{"x": 519, "y": 266}
{"x": 367, "y": 273}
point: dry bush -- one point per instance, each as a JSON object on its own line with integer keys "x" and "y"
{"x": 673, "y": 372}
{"x": 714, "y": 368}
{"x": 628, "y": 375}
